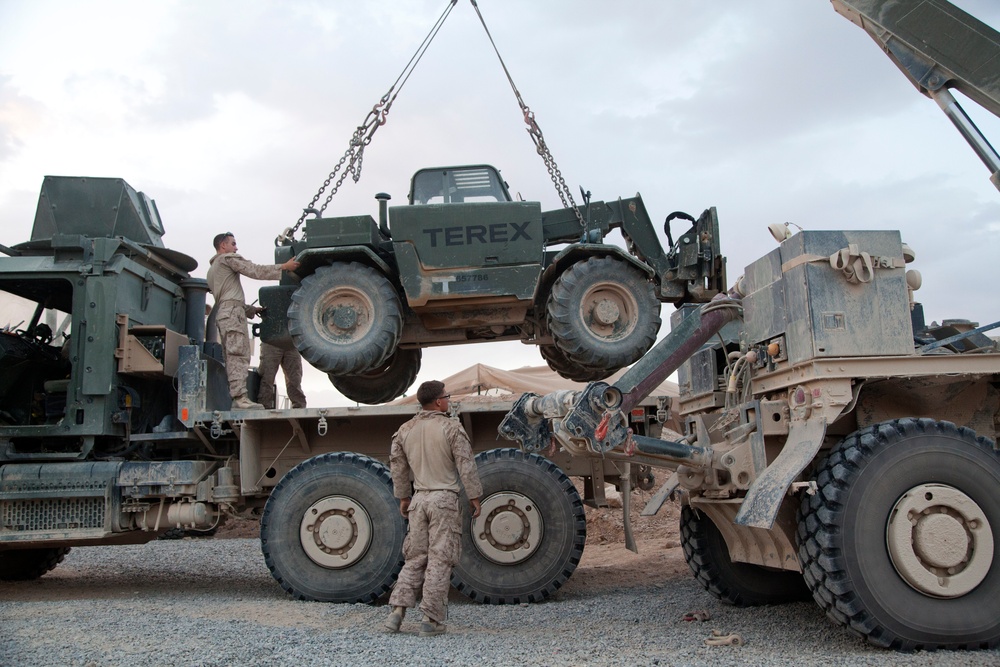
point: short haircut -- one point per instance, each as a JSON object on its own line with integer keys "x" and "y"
{"x": 429, "y": 391}
{"x": 219, "y": 238}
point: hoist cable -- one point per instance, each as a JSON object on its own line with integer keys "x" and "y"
{"x": 535, "y": 132}
{"x": 354, "y": 156}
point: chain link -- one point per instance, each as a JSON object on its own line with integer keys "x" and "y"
{"x": 354, "y": 155}
{"x": 535, "y": 132}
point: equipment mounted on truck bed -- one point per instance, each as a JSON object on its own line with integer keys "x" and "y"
{"x": 834, "y": 443}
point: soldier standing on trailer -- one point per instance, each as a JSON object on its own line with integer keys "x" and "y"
{"x": 232, "y": 310}
{"x": 271, "y": 357}
{"x": 435, "y": 451}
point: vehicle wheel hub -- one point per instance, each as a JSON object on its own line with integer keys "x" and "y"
{"x": 606, "y": 312}
{"x": 940, "y": 540}
{"x": 344, "y": 315}
{"x": 609, "y": 311}
{"x": 335, "y": 532}
{"x": 345, "y": 318}
{"x": 509, "y": 528}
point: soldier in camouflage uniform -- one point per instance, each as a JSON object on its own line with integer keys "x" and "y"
{"x": 434, "y": 451}
{"x": 290, "y": 361}
{"x": 232, "y": 311}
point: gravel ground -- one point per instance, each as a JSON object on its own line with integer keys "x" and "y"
{"x": 213, "y": 602}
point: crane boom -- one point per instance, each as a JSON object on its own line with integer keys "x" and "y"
{"x": 938, "y": 47}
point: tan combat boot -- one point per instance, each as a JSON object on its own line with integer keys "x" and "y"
{"x": 241, "y": 402}
{"x": 395, "y": 619}
{"x": 429, "y": 627}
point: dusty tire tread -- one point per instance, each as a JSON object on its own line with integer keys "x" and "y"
{"x": 363, "y": 463}
{"x": 393, "y": 383}
{"x": 698, "y": 537}
{"x": 568, "y": 369}
{"x": 577, "y": 534}
{"x": 820, "y": 515}
{"x": 355, "y": 357}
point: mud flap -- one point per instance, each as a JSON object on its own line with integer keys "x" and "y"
{"x": 760, "y": 507}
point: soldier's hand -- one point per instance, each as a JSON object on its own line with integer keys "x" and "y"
{"x": 404, "y": 507}
{"x": 476, "y": 507}
{"x": 291, "y": 266}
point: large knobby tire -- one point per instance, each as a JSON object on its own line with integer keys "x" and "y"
{"x": 603, "y": 314}
{"x": 331, "y": 530}
{"x": 740, "y": 584}
{"x": 345, "y": 318}
{"x": 898, "y": 542}
{"x": 388, "y": 381}
{"x": 172, "y": 534}
{"x": 530, "y": 535}
{"x": 26, "y": 564}
{"x": 570, "y": 370}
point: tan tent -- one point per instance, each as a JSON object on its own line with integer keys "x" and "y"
{"x": 483, "y": 380}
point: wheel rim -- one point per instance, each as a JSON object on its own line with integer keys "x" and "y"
{"x": 940, "y": 541}
{"x": 335, "y": 532}
{"x": 509, "y": 528}
{"x": 609, "y": 310}
{"x": 344, "y": 315}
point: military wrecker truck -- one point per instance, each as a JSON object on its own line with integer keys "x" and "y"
{"x": 462, "y": 262}
{"x": 116, "y": 426}
{"x": 835, "y": 444}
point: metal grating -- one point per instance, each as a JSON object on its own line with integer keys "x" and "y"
{"x": 52, "y": 514}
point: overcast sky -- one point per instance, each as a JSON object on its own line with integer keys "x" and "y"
{"x": 231, "y": 114}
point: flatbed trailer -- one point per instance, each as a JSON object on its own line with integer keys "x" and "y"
{"x": 116, "y": 426}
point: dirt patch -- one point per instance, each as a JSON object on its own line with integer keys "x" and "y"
{"x": 238, "y": 528}
{"x": 607, "y": 525}
{"x": 607, "y": 565}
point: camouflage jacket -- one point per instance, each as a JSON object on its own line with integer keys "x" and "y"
{"x": 433, "y": 451}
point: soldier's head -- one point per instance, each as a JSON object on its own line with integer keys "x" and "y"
{"x": 432, "y": 396}
{"x": 224, "y": 242}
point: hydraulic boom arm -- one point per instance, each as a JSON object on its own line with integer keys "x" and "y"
{"x": 938, "y": 46}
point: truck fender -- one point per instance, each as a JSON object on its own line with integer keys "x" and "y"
{"x": 579, "y": 252}
{"x": 313, "y": 258}
{"x": 273, "y": 328}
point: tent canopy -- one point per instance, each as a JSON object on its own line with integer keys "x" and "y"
{"x": 480, "y": 379}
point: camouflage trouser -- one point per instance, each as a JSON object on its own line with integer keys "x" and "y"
{"x": 431, "y": 548}
{"x": 291, "y": 367}
{"x": 232, "y": 322}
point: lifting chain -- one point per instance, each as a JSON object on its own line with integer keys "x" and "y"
{"x": 535, "y": 132}
{"x": 354, "y": 156}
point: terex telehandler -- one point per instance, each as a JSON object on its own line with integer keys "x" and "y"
{"x": 463, "y": 263}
